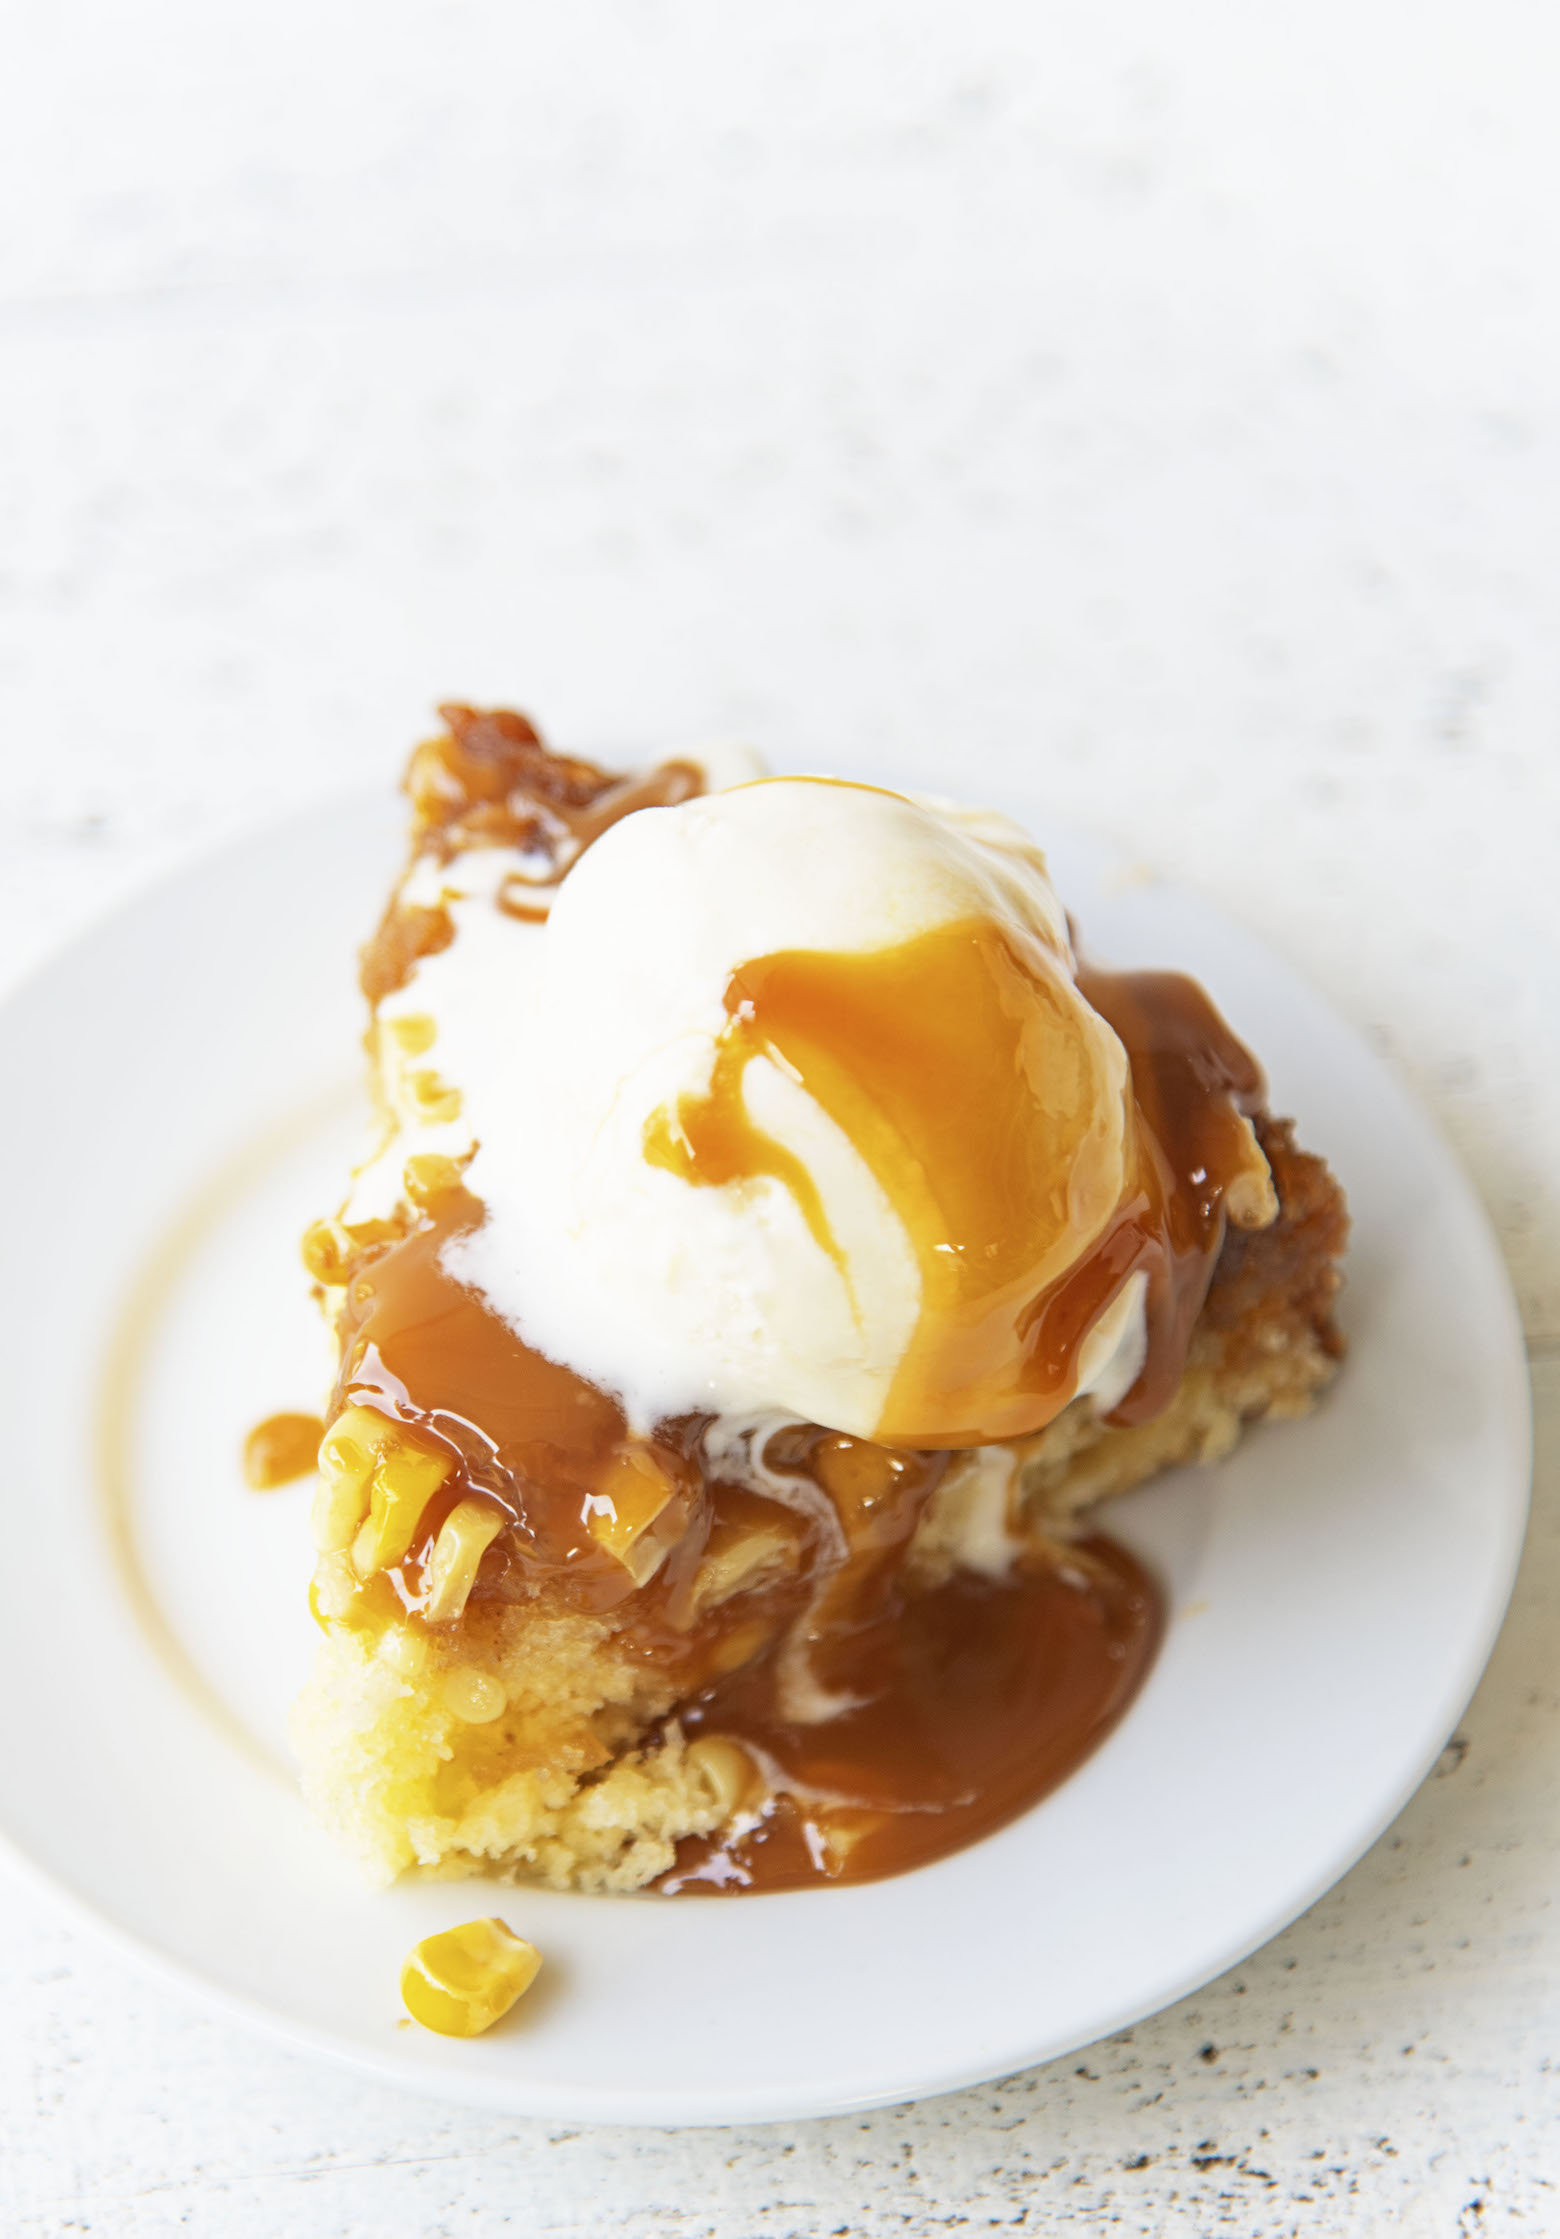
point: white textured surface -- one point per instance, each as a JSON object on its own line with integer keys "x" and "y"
{"x": 1162, "y": 400}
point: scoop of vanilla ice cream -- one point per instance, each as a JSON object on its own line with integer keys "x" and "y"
{"x": 566, "y": 1039}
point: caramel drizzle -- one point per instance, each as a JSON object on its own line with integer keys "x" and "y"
{"x": 964, "y": 1070}
{"x": 565, "y": 835}
{"x": 1196, "y": 1089}
{"x": 712, "y": 1141}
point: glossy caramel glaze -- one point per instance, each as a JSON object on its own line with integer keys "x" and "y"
{"x": 887, "y": 1722}
{"x": 1196, "y": 1089}
{"x": 969, "y": 1076}
{"x": 976, "y": 1700}
{"x": 712, "y": 1141}
{"x": 423, "y": 1349}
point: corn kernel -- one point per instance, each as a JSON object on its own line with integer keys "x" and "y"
{"x": 737, "y": 1564}
{"x": 355, "y": 1440}
{"x": 404, "y": 1651}
{"x": 404, "y": 1482}
{"x": 336, "y": 1514}
{"x": 413, "y": 1031}
{"x": 630, "y": 1494}
{"x": 465, "y": 1536}
{"x": 339, "y": 1506}
{"x": 726, "y": 1770}
{"x": 339, "y": 1597}
{"x": 348, "y": 1453}
{"x": 1250, "y": 1198}
{"x": 461, "y": 1981}
{"x": 436, "y": 1101}
{"x": 363, "y": 1233}
{"x": 326, "y": 1248}
{"x": 428, "y": 1176}
{"x": 336, "y": 1587}
{"x": 475, "y": 1697}
{"x": 739, "y": 1647}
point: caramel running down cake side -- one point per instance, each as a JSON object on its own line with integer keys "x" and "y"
{"x": 776, "y": 1243}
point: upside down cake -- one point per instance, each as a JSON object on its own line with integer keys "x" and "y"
{"x": 778, "y": 1241}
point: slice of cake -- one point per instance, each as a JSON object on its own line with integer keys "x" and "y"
{"x": 776, "y": 1242}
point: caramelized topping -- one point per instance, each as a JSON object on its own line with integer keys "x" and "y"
{"x": 406, "y": 933}
{"x": 490, "y": 782}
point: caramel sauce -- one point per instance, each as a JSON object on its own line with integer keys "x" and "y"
{"x": 281, "y": 1448}
{"x": 1196, "y": 1089}
{"x": 890, "y": 1722}
{"x": 712, "y": 1140}
{"x": 976, "y": 1701}
{"x": 423, "y": 1349}
{"x": 488, "y": 781}
{"x": 566, "y": 833}
{"x": 967, "y": 1073}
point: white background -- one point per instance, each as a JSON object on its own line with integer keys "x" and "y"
{"x": 1164, "y": 403}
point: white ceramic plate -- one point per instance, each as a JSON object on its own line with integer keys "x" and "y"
{"x": 184, "y": 1097}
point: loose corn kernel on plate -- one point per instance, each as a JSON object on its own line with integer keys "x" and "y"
{"x": 1333, "y": 1591}
{"x": 462, "y": 1981}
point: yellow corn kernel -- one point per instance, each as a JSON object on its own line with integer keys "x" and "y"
{"x": 326, "y": 1248}
{"x": 436, "y": 1101}
{"x": 339, "y": 1504}
{"x": 473, "y": 1696}
{"x": 335, "y": 1589}
{"x": 461, "y": 1981}
{"x": 404, "y": 1482}
{"x": 739, "y": 1647}
{"x": 726, "y": 1769}
{"x": 346, "y": 1463}
{"x": 339, "y": 1597}
{"x": 737, "y": 1564}
{"x": 1250, "y": 1198}
{"x": 465, "y": 1536}
{"x": 412, "y": 1031}
{"x": 348, "y": 1454}
{"x": 358, "y": 1431}
{"x": 363, "y": 1233}
{"x": 405, "y": 1651}
{"x": 630, "y": 1494}
{"x": 428, "y": 1176}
